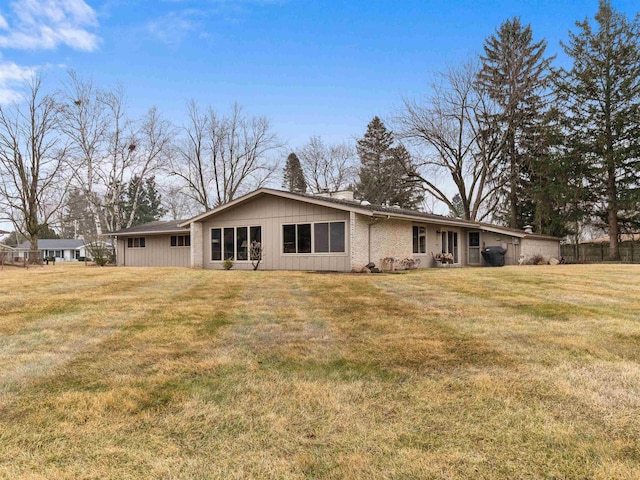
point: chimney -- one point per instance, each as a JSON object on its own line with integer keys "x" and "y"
{"x": 528, "y": 229}
{"x": 340, "y": 194}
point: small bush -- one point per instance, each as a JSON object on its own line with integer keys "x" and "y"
{"x": 536, "y": 260}
{"x": 410, "y": 263}
{"x": 228, "y": 263}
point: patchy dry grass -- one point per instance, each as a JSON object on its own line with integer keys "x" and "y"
{"x": 527, "y": 372}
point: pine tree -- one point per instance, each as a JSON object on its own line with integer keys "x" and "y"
{"x": 148, "y": 207}
{"x": 515, "y": 73}
{"x": 383, "y": 175}
{"x": 293, "y": 178}
{"x": 602, "y": 95}
{"x": 78, "y": 218}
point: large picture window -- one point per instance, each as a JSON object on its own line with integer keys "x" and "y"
{"x": 234, "y": 242}
{"x": 321, "y": 237}
{"x": 419, "y": 239}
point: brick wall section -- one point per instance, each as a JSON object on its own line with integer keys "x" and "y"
{"x": 359, "y": 239}
{"x": 197, "y": 249}
{"x": 389, "y": 238}
{"x": 534, "y": 246}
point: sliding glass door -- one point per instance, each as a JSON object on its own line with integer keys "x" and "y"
{"x": 450, "y": 245}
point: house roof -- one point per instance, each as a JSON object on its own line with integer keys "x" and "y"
{"x": 369, "y": 210}
{"x": 154, "y": 228}
{"x": 58, "y": 244}
{"x": 625, "y": 237}
{"x": 54, "y": 244}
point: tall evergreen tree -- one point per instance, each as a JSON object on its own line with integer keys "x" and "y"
{"x": 148, "y": 205}
{"x": 515, "y": 74}
{"x": 78, "y": 215}
{"x": 383, "y": 175}
{"x": 293, "y": 177}
{"x": 602, "y": 95}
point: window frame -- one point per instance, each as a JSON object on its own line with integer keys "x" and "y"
{"x": 313, "y": 239}
{"x": 453, "y": 246}
{"x": 235, "y": 242}
{"x": 186, "y": 241}
{"x": 417, "y": 236}
{"x": 141, "y": 241}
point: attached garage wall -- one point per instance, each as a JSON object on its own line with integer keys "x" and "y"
{"x": 271, "y": 213}
{"x": 157, "y": 252}
{"x": 543, "y": 247}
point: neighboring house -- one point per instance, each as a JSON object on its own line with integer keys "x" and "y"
{"x": 625, "y": 237}
{"x": 62, "y": 250}
{"x": 318, "y": 232}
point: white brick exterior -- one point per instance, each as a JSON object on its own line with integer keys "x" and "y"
{"x": 530, "y": 247}
{"x": 375, "y": 239}
{"x": 197, "y": 250}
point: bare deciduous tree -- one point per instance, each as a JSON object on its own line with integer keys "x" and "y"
{"x": 84, "y": 118}
{"x": 176, "y": 201}
{"x": 135, "y": 149}
{"x": 455, "y": 127}
{"x": 221, "y": 157}
{"x": 327, "y": 167}
{"x": 32, "y": 156}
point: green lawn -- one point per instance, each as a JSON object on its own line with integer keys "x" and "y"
{"x": 515, "y": 372}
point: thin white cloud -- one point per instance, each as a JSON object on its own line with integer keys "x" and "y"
{"x": 12, "y": 77}
{"x": 174, "y": 27}
{"x": 46, "y": 24}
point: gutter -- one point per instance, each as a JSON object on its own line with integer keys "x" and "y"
{"x": 375, "y": 221}
{"x": 129, "y": 234}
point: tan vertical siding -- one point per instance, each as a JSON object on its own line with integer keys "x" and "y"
{"x": 157, "y": 252}
{"x": 271, "y": 213}
{"x": 120, "y": 253}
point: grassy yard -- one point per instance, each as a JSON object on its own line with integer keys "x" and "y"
{"x": 516, "y": 372}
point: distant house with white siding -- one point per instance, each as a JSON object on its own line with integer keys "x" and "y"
{"x": 319, "y": 232}
{"x": 62, "y": 250}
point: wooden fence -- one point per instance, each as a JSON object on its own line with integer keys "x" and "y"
{"x": 599, "y": 252}
{"x": 21, "y": 258}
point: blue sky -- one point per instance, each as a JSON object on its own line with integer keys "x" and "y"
{"x": 312, "y": 67}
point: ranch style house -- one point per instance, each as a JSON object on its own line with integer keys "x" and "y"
{"x": 330, "y": 232}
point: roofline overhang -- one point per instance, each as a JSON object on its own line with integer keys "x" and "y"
{"x": 418, "y": 218}
{"x": 132, "y": 234}
{"x": 362, "y": 211}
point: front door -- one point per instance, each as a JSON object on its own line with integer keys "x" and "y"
{"x": 474, "y": 248}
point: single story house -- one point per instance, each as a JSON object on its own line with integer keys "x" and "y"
{"x": 62, "y": 250}
{"x": 329, "y": 232}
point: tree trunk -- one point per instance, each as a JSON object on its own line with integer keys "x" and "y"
{"x": 612, "y": 214}
{"x": 513, "y": 183}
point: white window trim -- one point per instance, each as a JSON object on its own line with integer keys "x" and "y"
{"x": 457, "y": 232}
{"x": 313, "y": 253}
{"x": 235, "y": 241}
{"x": 426, "y": 238}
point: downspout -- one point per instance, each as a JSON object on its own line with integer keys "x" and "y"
{"x": 376, "y": 220}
